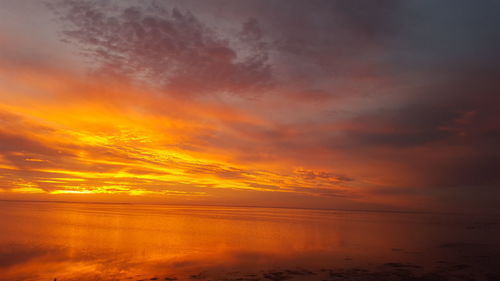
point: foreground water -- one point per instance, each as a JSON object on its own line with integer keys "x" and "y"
{"x": 74, "y": 241}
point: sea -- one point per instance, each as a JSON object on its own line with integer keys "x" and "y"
{"x": 95, "y": 241}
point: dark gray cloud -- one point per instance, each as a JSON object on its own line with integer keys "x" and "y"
{"x": 166, "y": 47}
{"x": 436, "y": 36}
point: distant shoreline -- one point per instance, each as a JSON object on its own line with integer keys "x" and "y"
{"x": 238, "y": 206}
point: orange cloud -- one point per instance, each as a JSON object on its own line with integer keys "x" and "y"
{"x": 132, "y": 142}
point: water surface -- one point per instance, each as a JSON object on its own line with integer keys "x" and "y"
{"x": 75, "y": 241}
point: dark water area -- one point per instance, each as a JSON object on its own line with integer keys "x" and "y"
{"x": 75, "y": 241}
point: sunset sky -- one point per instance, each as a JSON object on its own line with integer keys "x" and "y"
{"x": 391, "y": 105}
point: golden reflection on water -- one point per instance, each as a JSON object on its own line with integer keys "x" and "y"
{"x": 83, "y": 241}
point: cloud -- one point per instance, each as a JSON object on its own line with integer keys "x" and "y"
{"x": 166, "y": 48}
{"x": 371, "y": 103}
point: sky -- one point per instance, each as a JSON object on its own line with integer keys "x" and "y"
{"x": 373, "y": 105}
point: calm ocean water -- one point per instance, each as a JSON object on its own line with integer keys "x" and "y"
{"x": 43, "y": 241}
